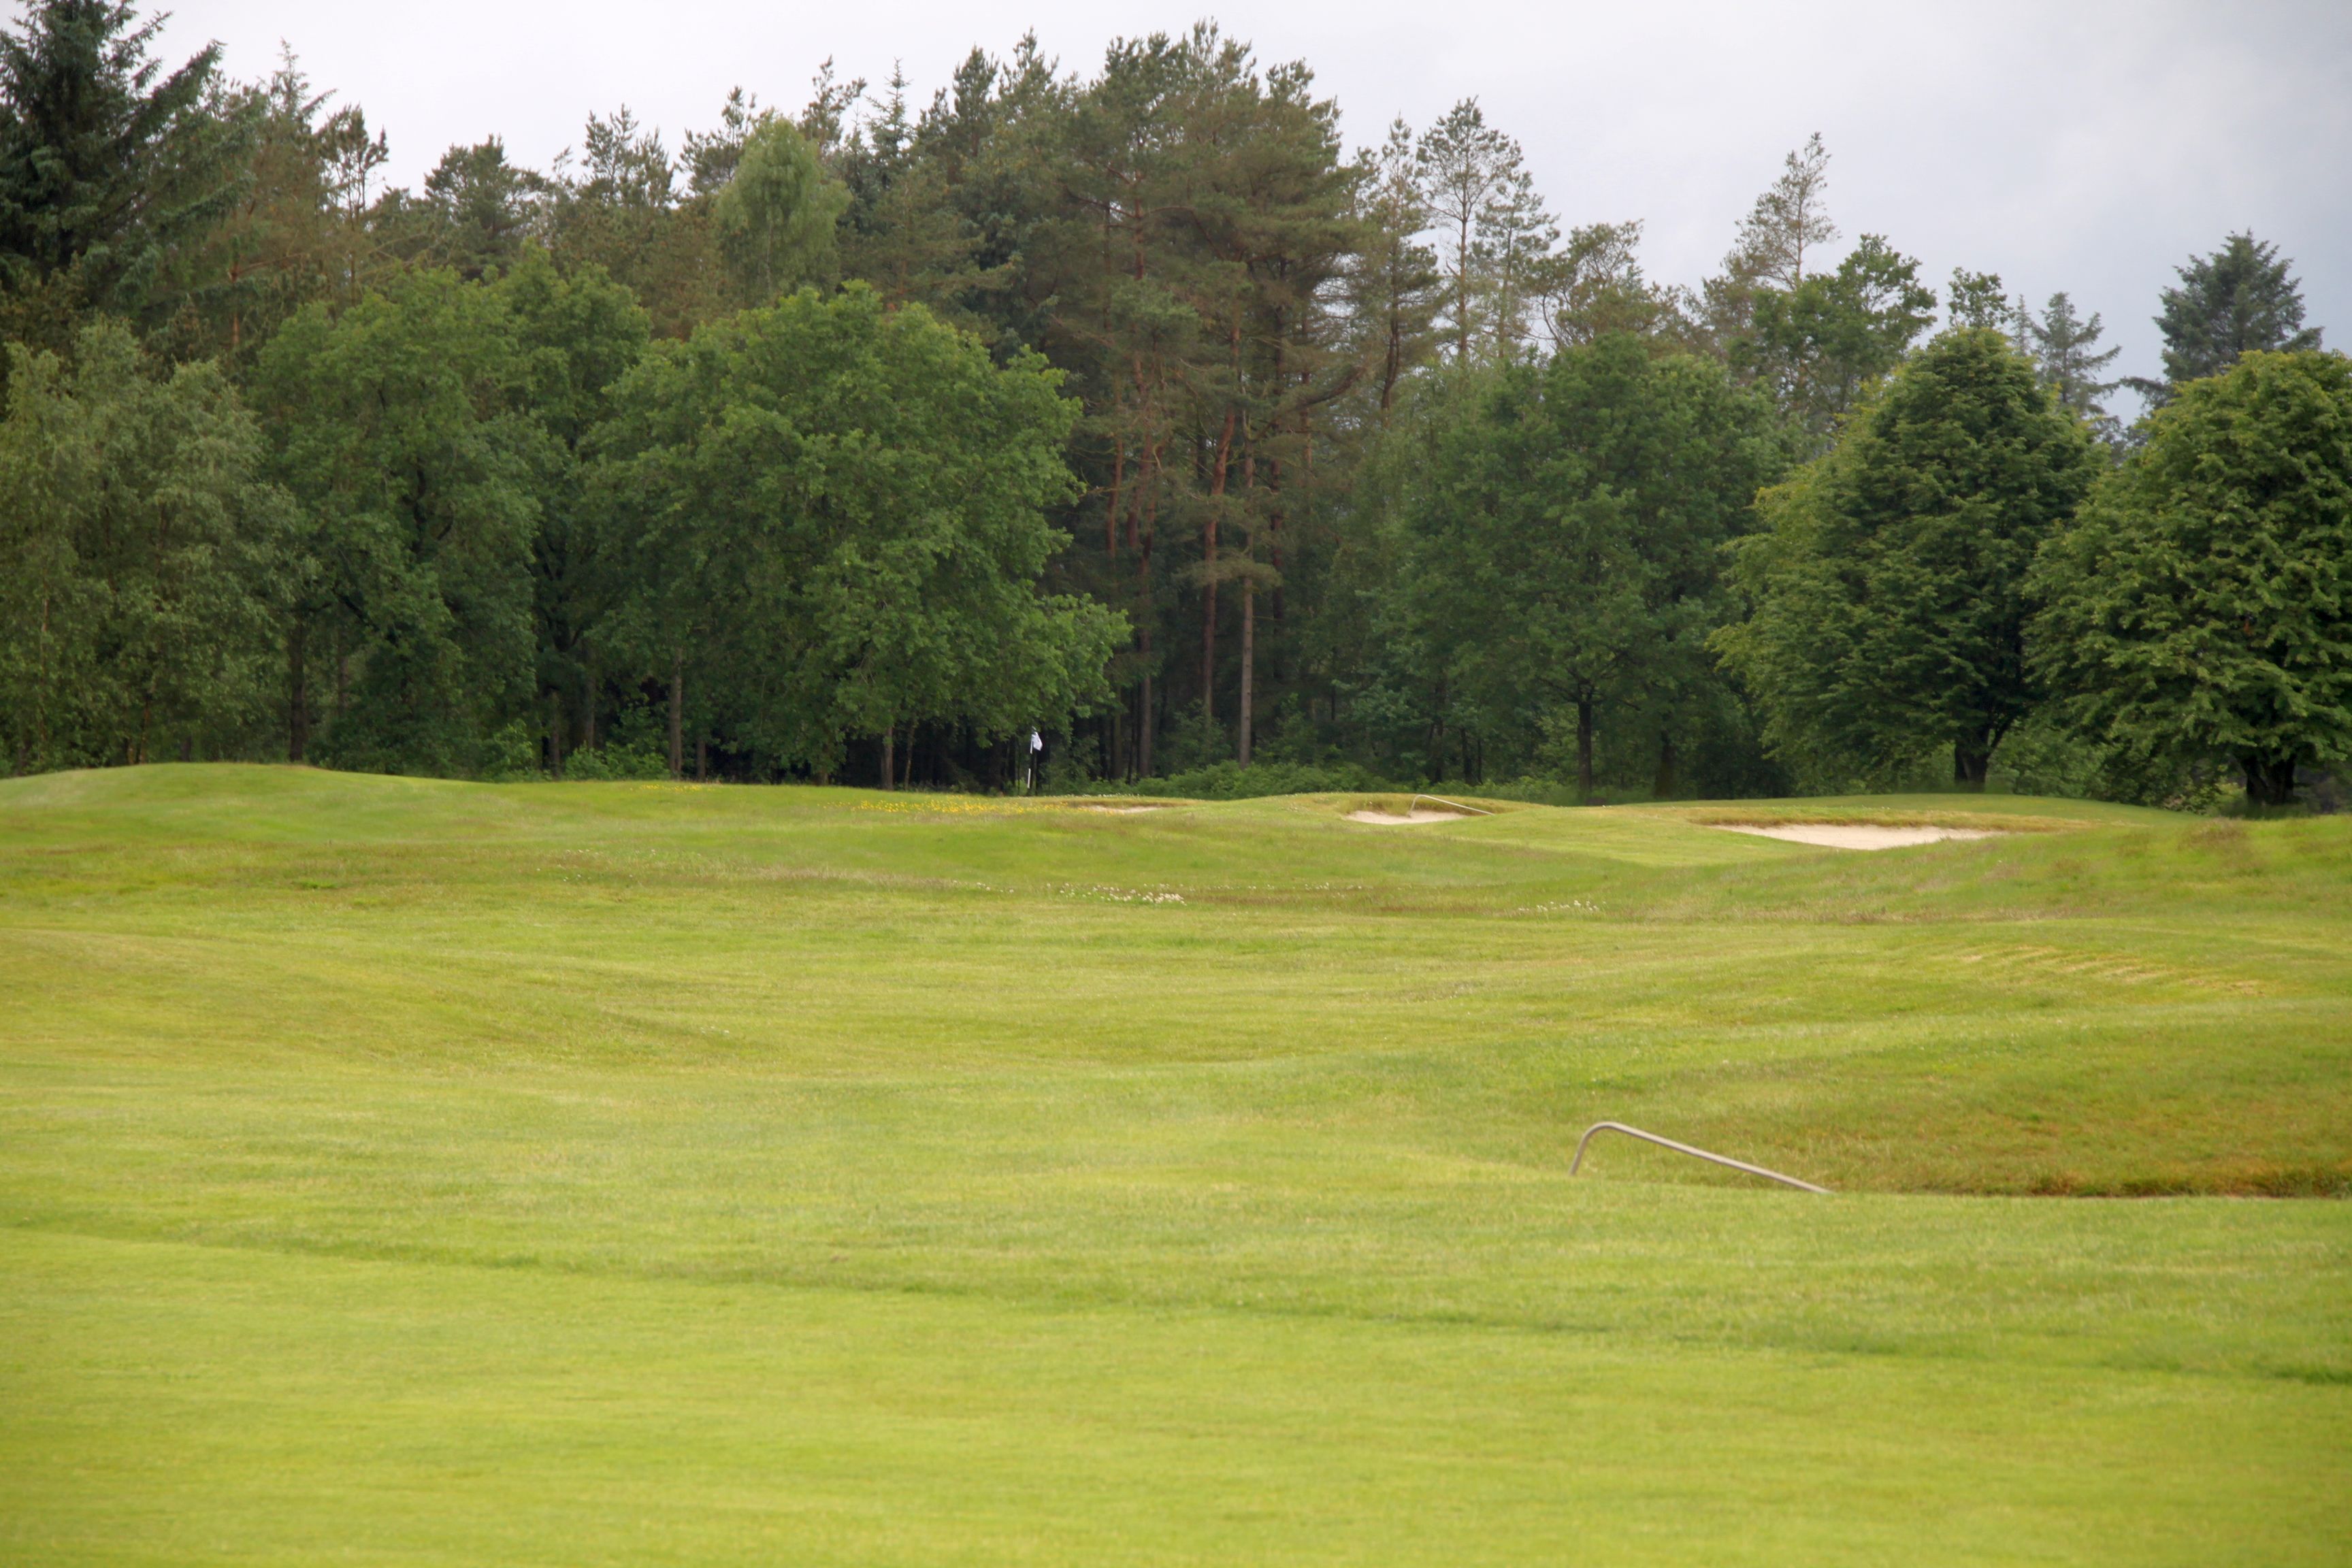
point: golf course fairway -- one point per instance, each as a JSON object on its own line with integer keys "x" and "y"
{"x": 395, "y": 1171}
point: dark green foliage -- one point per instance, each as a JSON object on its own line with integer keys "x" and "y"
{"x": 477, "y": 214}
{"x": 1230, "y": 781}
{"x": 1889, "y": 592}
{"x": 2237, "y": 300}
{"x": 838, "y": 514}
{"x": 106, "y": 163}
{"x": 398, "y": 428}
{"x": 1819, "y": 344}
{"x": 2201, "y": 608}
{"x": 2061, "y": 344}
{"x": 1562, "y": 563}
{"x": 622, "y": 210}
{"x": 292, "y": 234}
{"x": 139, "y": 554}
{"x": 1340, "y": 462}
{"x": 1977, "y": 299}
{"x": 575, "y": 338}
{"x": 453, "y": 570}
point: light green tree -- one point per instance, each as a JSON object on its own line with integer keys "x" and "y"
{"x": 775, "y": 216}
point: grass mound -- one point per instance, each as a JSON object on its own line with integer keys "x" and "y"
{"x": 398, "y": 1169}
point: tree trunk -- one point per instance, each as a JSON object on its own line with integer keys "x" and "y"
{"x": 1111, "y": 506}
{"x": 297, "y": 695}
{"x": 1249, "y": 661}
{"x": 678, "y": 714}
{"x": 2269, "y": 780}
{"x": 41, "y": 690}
{"x": 1663, "y": 786}
{"x": 1968, "y": 765}
{"x": 554, "y": 733}
{"x": 1584, "y": 751}
{"x": 701, "y": 759}
{"x": 1209, "y": 574}
{"x": 890, "y": 745}
{"x": 587, "y": 696}
{"x": 1144, "y": 716}
{"x": 1209, "y": 637}
{"x": 1147, "y": 717}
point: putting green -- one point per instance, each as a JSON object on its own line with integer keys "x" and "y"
{"x": 396, "y": 1170}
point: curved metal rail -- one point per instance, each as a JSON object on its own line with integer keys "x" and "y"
{"x": 1456, "y": 804}
{"x": 1683, "y": 1148}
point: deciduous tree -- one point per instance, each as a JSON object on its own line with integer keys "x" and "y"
{"x": 840, "y": 512}
{"x": 140, "y": 551}
{"x": 1563, "y": 553}
{"x": 1818, "y": 346}
{"x": 1889, "y": 592}
{"x": 2201, "y": 607}
{"x": 774, "y": 217}
{"x": 397, "y": 427}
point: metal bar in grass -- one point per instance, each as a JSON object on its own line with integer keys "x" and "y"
{"x": 1684, "y": 1149}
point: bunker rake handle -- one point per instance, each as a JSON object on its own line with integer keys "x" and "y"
{"x": 1443, "y": 801}
{"x": 1683, "y": 1148}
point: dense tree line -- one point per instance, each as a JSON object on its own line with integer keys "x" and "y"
{"x": 1129, "y": 406}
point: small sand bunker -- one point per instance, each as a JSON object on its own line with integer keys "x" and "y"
{"x": 1858, "y": 836}
{"x": 1399, "y": 819}
{"x": 1121, "y": 810}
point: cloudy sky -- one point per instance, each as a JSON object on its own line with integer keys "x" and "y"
{"x": 2086, "y": 146}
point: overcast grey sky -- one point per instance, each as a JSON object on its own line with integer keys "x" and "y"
{"x": 2085, "y": 146}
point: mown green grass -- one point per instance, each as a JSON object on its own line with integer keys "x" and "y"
{"x": 400, "y": 1171}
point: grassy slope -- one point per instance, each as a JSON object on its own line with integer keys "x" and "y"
{"x": 429, "y": 1172}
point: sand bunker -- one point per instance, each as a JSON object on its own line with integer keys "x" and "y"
{"x": 1119, "y": 810}
{"x": 1857, "y": 835}
{"x": 1397, "y": 819}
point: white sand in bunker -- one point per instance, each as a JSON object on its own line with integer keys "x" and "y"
{"x": 1857, "y": 835}
{"x": 1399, "y": 819}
